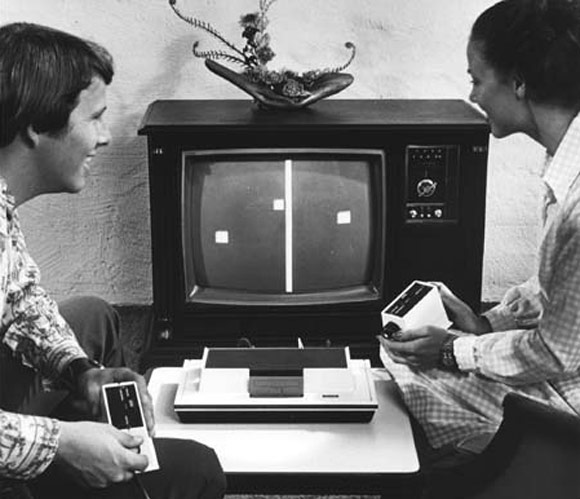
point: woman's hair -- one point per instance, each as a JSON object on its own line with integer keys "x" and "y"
{"x": 42, "y": 72}
{"x": 537, "y": 41}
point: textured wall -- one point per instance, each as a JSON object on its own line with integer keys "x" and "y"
{"x": 98, "y": 241}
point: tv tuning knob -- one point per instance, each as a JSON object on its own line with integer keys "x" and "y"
{"x": 426, "y": 188}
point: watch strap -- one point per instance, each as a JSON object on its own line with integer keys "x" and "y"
{"x": 447, "y": 358}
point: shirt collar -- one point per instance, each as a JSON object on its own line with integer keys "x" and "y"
{"x": 562, "y": 169}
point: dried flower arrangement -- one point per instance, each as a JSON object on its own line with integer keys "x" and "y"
{"x": 270, "y": 88}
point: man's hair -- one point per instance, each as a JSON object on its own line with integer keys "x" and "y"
{"x": 537, "y": 41}
{"x": 42, "y": 72}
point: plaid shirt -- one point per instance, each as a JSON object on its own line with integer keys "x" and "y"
{"x": 535, "y": 346}
{"x": 33, "y": 329}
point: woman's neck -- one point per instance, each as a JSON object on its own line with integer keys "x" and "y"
{"x": 550, "y": 124}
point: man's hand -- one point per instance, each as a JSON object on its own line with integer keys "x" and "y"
{"x": 419, "y": 348}
{"x": 97, "y": 455}
{"x": 460, "y": 313}
{"x": 89, "y": 386}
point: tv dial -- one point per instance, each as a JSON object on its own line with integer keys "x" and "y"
{"x": 425, "y": 212}
{"x": 426, "y": 188}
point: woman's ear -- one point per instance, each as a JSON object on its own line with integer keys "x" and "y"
{"x": 519, "y": 88}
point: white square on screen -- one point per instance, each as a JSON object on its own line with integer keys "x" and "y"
{"x": 343, "y": 217}
{"x": 222, "y": 237}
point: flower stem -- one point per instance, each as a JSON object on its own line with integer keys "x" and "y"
{"x": 352, "y": 47}
{"x": 196, "y": 23}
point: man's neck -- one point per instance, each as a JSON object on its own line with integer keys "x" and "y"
{"x": 16, "y": 168}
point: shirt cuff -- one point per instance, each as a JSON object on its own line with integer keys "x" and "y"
{"x": 32, "y": 443}
{"x": 501, "y": 318}
{"x": 463, "y": 349}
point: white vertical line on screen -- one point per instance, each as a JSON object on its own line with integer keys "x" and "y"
{"x": 288, "y": 223}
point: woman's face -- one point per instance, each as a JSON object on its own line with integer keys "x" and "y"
{"x": 495, "y": 94}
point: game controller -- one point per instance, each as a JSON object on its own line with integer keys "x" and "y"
{"x": 125, "y": 412}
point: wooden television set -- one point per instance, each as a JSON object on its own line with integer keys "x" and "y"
{"x": 274, "y": 225}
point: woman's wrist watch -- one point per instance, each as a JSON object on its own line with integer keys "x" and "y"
{"x": 446, "y": 354}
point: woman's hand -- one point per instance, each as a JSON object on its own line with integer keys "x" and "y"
{"x": 525, "y": 306}
{"x": 463, "y": 318}
{"x": 419, "y": 348}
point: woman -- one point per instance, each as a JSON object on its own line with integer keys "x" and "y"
{"x": 524, "y": 61}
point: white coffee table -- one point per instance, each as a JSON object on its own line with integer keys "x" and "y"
{"x": 302, "y": 457}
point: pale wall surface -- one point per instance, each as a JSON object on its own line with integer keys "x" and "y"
{"x": 98, "y": 242}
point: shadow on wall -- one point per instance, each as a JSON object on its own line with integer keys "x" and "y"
{"x": 130, "y": 150}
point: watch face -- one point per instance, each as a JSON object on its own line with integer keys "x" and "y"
{"x": 447, "y": 355}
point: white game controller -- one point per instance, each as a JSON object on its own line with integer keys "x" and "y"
{"x": 418, "y": 305}
{"x": 124, "y": 411}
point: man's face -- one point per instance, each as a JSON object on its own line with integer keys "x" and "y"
{"x": 496, "y": 96}
{"x": 65, "y": 158}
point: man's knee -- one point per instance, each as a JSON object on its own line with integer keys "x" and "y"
{"x": 188, "y": 469}
{"x": 82, "y": 312}
{"x": 96, "y": 326}
{"x": 209, "y": 466}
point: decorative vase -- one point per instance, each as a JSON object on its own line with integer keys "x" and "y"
{"x": 266, "y": 96}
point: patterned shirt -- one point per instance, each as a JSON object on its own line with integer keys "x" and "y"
{"x": 534, "y": 348}
{"x": 33, "y": 329}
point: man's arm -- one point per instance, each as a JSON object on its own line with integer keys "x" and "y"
{"x": 28, "y": 444}
{"x": 92, "y": 454}
{"x": 36, "y": 332}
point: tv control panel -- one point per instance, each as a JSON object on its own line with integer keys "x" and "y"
{"x": 431, "y": 183}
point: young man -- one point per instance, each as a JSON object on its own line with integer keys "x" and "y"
{"x": 524, "y": 60}
{"x": 52, "y": 105}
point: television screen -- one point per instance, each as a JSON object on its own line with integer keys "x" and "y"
{"x": 283, "y": 227}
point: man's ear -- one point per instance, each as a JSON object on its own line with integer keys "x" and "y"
{"x": 30, "y": 136}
